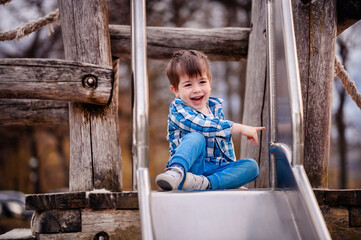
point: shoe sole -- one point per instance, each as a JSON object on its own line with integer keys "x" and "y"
{"x": 164, "y": 185}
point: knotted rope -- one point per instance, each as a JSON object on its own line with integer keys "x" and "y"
{"x": 115, "y": 65}
{"x": 32, "y": 26}
{"x": 347, "y": 83}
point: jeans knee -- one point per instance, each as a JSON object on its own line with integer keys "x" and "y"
{"x": 196, "y": 138}
{"x": 253, "y": 167}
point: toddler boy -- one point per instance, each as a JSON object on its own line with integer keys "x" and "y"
{"x": 200, "y": 143}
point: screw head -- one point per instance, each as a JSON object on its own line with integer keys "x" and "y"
{"x": 90, "y": 81}
{"x": 101, "y": 236}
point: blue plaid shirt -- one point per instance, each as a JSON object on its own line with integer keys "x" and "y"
{"x": 183, "y": 119}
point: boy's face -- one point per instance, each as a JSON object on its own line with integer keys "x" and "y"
{"x": 194, "y": 91}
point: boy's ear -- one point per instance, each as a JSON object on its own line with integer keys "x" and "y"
{"x": 175, "y": 91}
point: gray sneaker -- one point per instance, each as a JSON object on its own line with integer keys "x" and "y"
{"x": 170, "y": 179}
{"x": 195, "y": 182}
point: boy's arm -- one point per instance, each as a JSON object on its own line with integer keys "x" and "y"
{"x": 196, "y": 122}
{"x": 248, "y": 131}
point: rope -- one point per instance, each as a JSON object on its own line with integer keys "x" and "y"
{"x": 347, "y": 83}
{"x": 32, "y": 26}
{"x": 4, "y": 1}
{"x": 115, "y": 65}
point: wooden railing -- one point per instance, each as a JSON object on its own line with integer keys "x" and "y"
{"x": 49, "y": 79}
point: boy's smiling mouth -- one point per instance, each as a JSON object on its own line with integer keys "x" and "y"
{"x": 197, "y": 99}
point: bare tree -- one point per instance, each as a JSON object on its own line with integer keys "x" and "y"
{"x": 346, "y": 43}
{"x": 339, "y": 117}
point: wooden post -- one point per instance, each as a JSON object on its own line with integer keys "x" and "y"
{"x": 315, "y": 28}
{"x": 256, "y": 100}
{"x": 95, "y": 161}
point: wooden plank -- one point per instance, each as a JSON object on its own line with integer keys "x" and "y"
{"x": 56, "y": 221}
{"x": 118, "y": 224}
{"x": 111, "y": 224}
{"x": 55, "y": 80}
{"x": 315, "y": 29}
{"x": 33, "y": 112}
{"x": 17, "y": 234}
{"x": 337, "y": 220}
{"x": 60, "y": 201}
{"x": 95, "y": 160}
{"x": 76, "y": 200}
{"x": 123, "y": 200}
{"x": 219, "y": 44}
{"x": 345, "y": 197}
{"x": 256, "y": 100}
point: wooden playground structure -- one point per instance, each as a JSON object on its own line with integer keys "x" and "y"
{"x": 95, "y": 206}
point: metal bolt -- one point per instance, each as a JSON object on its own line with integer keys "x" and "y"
{"x": 101, "y": 236}
{"x": 90, "y": 81}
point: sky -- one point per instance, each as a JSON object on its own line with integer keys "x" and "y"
{"x": 353, "y": 67}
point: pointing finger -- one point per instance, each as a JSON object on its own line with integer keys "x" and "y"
{"x": 260, "y": 128}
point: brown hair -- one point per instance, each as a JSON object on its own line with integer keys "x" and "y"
{"x": 187, "y": 62}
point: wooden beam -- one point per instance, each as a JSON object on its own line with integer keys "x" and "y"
{"x": 95, "y": 160}
{"x": 84, "y": 215}
{"x": 123, "y": 200}
{"x": 76, "y": 200}
{"x": 219, "y": 44}
{"x": 348, "y": 13}
{"x": 315, "y": 29}
{"x": 100, "y": 224}
{"x": 256, "y": 101}
{"x": 53, "y": 201}
{"x": 33, "y": 112}
{"x": 55, "y": 80}
{"x": 56, "y": 221}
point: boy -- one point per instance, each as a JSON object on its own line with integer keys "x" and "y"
{"x": 201, "y": 148}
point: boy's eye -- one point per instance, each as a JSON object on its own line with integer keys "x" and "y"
{"x": 203, "y": 81}
{"x": 187, "y": 85}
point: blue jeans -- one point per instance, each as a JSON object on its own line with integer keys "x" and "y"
{"x": 191, "y": 155}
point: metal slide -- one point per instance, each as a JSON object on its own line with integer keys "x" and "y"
{"x": 287, "y": 210}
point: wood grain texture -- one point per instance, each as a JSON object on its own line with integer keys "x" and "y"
{"x": 315, "y": 28}
{"x": 116, "y": 224}
{"x": 122, "y": 200}
{"x": 60, "y": 201}
{"x": 121, "y": 224}
{"x": 18, "y": 234}
{"x": 78, "y": 200}
{"x": 55, "y": 80}
{"x": 33, "y": 112}
{"x": 56, "y": 221}
{"x": 355, "y": 217}
{"x": 256, "y": 101}
{"x": 219, "y": 44}
{"x": 95, "y": 160}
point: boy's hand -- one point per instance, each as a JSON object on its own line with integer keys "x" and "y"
{"x": 248, "y": 131}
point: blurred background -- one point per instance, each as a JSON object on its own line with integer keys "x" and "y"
{"x": 35, "y": 159}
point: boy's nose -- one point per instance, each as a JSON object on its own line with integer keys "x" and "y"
{"x": 196, "y": 88}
